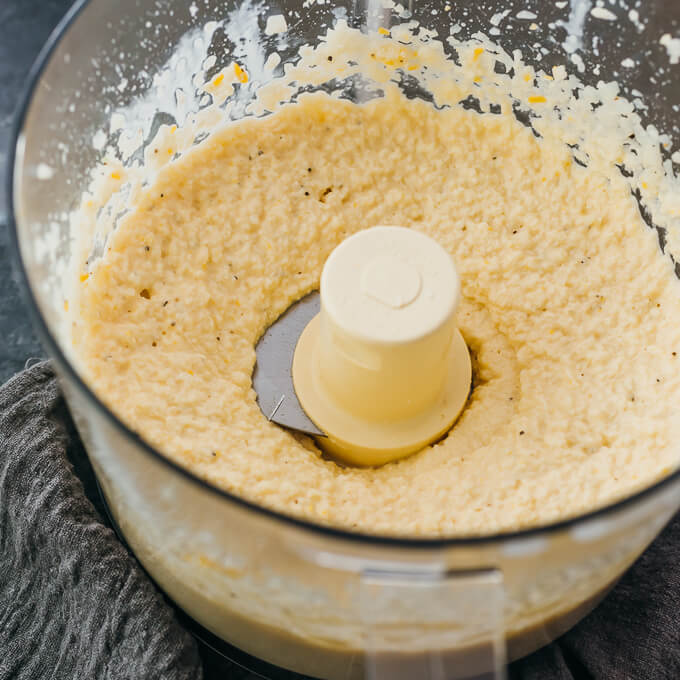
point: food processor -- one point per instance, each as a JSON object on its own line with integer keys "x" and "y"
{"x": 300, "y": 596}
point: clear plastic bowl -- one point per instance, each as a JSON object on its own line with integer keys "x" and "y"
{"x": 323, "y": 602}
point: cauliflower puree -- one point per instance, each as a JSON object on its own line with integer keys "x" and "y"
{"x": 568, "y": 307}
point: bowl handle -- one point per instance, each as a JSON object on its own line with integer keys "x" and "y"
{"x": 433, "y": 625}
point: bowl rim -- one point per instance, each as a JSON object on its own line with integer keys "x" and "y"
{"x": 54, "y": 349}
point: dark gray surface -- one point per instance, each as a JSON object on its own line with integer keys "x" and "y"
{"x": 24, "y": 28}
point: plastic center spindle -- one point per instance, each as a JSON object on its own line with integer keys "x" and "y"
{"x": 383, "y": 369}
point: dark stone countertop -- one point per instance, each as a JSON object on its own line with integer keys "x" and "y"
{"x": 24, "y": 28}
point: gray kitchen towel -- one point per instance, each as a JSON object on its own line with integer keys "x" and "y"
{"x": 74, "y": 604}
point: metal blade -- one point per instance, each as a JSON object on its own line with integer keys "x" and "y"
{"x": 272, "y": 378}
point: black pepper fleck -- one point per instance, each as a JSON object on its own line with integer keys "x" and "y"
{"x": 330, "y": 58}
{"x": 217, "y": 338}
{"x": 165, "y": 304}
{"x": 521, "y": 431}
{"x": 147, "y": 248}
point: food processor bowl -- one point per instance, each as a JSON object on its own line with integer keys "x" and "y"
{"x": 323, "y": 602}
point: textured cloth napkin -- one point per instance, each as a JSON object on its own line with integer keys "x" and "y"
{"x": 74, "y": 604}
